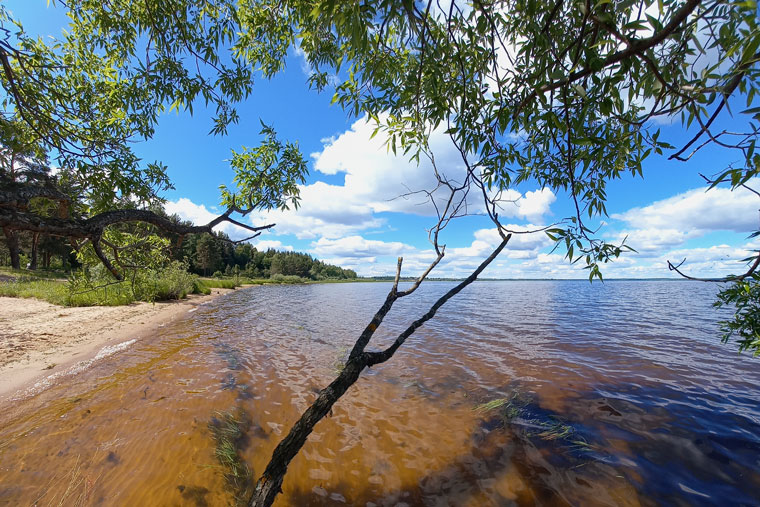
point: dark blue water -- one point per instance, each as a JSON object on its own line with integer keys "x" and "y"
{"x": 635, "y": 368}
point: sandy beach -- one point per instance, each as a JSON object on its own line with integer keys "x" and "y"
{"x": 39, "y": 339}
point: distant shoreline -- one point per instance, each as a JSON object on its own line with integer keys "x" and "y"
{"x": 412, "y": 279}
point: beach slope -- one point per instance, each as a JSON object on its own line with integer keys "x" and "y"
{"x": 38, "y": 339}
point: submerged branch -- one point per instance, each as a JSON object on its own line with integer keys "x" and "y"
{"x": 270, "y": 483}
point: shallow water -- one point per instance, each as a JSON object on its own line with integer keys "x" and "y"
{"x": 617, "y": 393}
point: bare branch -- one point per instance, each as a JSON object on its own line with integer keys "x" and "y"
{"x": 726, "y": 92}
{"x": 373, "y": 358}
{"x": 729, "y": 278}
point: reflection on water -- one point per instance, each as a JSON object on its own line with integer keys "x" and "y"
{"x": 526, "y": 392}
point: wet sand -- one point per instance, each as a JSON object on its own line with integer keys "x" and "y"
{"x": 39, "y": 340}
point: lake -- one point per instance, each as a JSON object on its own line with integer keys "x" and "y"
{"x": 534, "y": 392}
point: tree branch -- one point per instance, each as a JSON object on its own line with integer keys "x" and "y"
{"x": 636, "y": 46}
{"x": 727, "y": 92}
{"x": 729, "y": 278}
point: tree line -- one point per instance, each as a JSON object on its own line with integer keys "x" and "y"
{"x": 203, "y": 254}
{"x": 216, "y": 255}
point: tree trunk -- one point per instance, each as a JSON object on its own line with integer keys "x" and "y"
{"x": 33, "y": 259}
{"x": 11, "y": 239}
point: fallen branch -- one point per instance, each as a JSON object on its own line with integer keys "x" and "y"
{"x": 269, "y": 484}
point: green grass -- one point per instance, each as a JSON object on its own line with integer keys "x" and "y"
{"x": 491, "y": 405}
{"x": 54, "y": 274}
{"x": 47, "y": 290}
{"x": 220, "y": 283}
{"x": 58, "y": 293}
{"x": 171, "y": 283}
{"x": 52, "y": 286}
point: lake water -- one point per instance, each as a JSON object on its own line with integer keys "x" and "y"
{"x": 517, "y": 392}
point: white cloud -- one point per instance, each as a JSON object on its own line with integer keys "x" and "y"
{"x": 358, "y": 247}
{"x": 534, "y": 205}
{"x": 673, "y": 221}
{"x": 266, "y": 244}
{"x": 325, "y": 211}
{"x": 198, "y": 214}
{"x": 653, "y": 241}
{"x": 696, "y": 210}
{"x": 383, "y": 181}
{"x": 376, "y": 181}
{"x": 373, "y": 257}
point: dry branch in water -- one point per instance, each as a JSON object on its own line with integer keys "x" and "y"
{"x": 270, "y": 483}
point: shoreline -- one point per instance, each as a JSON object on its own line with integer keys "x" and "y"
{"x": 40, "y": 340}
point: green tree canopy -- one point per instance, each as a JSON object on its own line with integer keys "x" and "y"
{"x": 83, "y": 98}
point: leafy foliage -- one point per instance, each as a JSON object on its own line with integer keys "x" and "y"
{"x": 744, "y": 326}
{"x": 267, "y": 176}
{"x": 563, "y": 95}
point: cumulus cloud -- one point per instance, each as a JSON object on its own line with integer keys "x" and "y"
{"x": 357, "y": 246}
{"x": 377, "y": 181}
{"x": 384, "y": 181}
{"x": 198, "y": 214}
{"x": 325, "y": 211}
{"x": 697, "y": 210}
{"x": 266, "y": 244}
{"x": 375, "y": 257}
{"x": 653, "y": 241}
{"x": 671, "y": 222}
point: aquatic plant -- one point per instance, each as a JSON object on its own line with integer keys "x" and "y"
{"x": 521, "y": 412}
{"x": 230, "y": 354}
{"x": 340, "y": 360}
{"x": 79, "y": 485}
{"x": 229, "y": 432}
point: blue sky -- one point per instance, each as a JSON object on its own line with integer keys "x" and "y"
{"x": 352, "y": 215}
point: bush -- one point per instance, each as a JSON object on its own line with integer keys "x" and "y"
{"x": 218, "y": 274}
{"x": 97, "y": 287}
{"x": 171, "y": 282}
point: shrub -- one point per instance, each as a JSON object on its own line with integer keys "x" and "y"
{"x": 171, "y": 282}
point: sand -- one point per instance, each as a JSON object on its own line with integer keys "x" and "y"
{"x": 39, "y": 339}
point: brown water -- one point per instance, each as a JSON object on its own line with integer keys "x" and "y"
{"x": 620, "y": 394}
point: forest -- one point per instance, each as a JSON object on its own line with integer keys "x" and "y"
{"x": 204, "y": 255}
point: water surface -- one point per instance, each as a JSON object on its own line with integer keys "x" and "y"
{"x": 607, "y": 394}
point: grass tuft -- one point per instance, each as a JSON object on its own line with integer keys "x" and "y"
{"x": 520, "y": 411}
{"x": 229, "y": 431}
